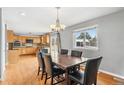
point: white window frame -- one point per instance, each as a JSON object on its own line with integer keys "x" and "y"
{"x": 84, "y": 29}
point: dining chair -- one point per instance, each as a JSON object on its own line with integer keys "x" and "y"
{"x": 64, "y": 52}
{"x": 76, "y": 53}
{"x": 52, "y": 71}
{"x": 89, "y": 76}
{"x": 41, "y": 65}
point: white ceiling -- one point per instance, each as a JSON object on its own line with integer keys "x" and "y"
{"x": 37, "y": 20}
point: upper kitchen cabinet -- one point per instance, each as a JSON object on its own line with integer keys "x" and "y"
{"x": 21, "y": 38}
{"x": 10, "y": 36}
{"x": 17, "y": 37}
{"x": 45, "y": 39}
{"x": 36, "y": 40}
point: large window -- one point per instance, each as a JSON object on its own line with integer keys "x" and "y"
{"x": 86, "y": 38}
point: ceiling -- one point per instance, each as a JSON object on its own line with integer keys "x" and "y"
{"x": 36, "y": 21}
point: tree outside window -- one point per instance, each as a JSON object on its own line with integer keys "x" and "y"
{"x": 85, "y": 38}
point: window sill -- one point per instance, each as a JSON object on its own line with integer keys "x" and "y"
{"x": 87, "y": 48}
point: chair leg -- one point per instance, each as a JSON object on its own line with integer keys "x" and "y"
{"x": 42, "y": 75}
{"x": 38, "y": 71}
{"x": 69, "y": 81}
{"x": 45, "y": 79}
{"x": 95, "y": 81}
{"x": 51, "y": 80}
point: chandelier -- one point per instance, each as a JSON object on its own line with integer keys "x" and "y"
{"x": 57, "y": 27}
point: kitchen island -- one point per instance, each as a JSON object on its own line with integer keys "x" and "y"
{"x": 27, "y": 50}
{"x": 15, "y": 53}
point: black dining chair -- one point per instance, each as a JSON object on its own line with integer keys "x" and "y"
{"x": 76, "y": 53}
{"x": 52, "y": 71}
{"x": 89, "y": 76}
{"x": 41, "y": 65}
{"x": 64, "y": 52}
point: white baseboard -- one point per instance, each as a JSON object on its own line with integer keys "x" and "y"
{"x": 115, "y": 75}
{"x": 110, "y": 73}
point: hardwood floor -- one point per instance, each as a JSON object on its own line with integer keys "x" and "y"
{"x": 24, "y": 72}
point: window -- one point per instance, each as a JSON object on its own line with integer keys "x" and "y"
{"x": 86, "y": 38}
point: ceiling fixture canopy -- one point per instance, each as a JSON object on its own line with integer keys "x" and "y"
{"x": 57, "y": 27}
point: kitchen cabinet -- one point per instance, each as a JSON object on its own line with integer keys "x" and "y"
{"x": 45, "y": 39}
{"x": 10, "y": 36}
{"x": 13, "y": 55}
{"x": 23, "y": 39}
{"x": 28, "y": 50}
{"x": 36, "y": 40}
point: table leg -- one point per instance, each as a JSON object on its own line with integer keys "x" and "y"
{"x": 66, "y": 77}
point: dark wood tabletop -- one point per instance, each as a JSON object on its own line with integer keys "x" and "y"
{"x": 65, "y": 61}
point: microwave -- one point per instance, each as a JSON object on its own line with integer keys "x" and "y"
{"x": 16, "y": 43}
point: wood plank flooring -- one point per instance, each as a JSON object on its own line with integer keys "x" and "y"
{"x": 24, "y": 72}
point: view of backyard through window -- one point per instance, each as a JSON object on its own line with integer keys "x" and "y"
{"x": 85, "y": 38}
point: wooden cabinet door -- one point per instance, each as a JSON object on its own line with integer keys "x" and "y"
{"x": 23, "y": 51}
{"x": 47, "y": 39}
{"x": 23, "y": 39}
{"x": 36, "y": 40}
{"x": 44, "y": 39}
{"x": 19, "y": 38}
{"x": 10, "y": 36}
{"x": 15, "y": 37}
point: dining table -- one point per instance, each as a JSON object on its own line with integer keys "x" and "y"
{"x": 66, "y": 61}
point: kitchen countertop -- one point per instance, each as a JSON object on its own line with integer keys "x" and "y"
{"x": 26, "y": 47}
{"x": 18, "y": 48}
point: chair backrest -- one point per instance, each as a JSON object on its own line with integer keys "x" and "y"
{"x": 76, "y": 53}
{"x": 64, "y": 51}
{"x": 91, "y": 69}
{"x": 40, "y": 60}
{"x": 48, "y": 64}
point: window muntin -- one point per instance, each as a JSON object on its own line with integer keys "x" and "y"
{"x": 86, "y": 38}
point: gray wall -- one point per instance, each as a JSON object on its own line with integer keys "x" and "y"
{"x": 110, "y": 41}
{"x": 0, "y": 39}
